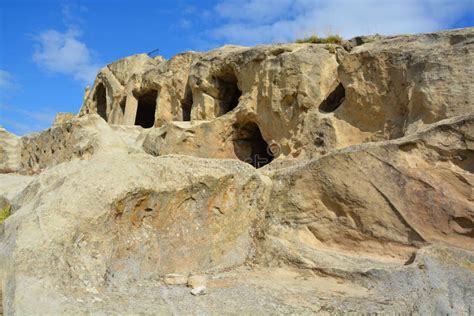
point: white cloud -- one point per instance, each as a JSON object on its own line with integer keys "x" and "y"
{"x": 261, "y": 21}
{"x": 64, "y": 53}
{"x": 7, "y": 81}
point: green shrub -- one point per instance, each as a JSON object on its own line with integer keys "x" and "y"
{"x": 313, "y": 39}
{"x": 4, "y": 213}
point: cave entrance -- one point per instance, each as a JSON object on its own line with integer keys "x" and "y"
{"x": 100, "y": 98}
{"x": 249, "y": 145}
{"x": 229, "y": 92}
{"x": 333, "y": 100}
{"x": 187, "y": 104}
{"x": 146, "y": 109}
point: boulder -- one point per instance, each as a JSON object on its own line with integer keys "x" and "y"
{"x": 382, "y": 199}
{"x": 86, "y": 225}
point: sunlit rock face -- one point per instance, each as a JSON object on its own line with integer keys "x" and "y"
{"x": 294, "y": 178}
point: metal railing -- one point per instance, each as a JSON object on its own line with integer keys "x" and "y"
{"x": 154, "y": 53}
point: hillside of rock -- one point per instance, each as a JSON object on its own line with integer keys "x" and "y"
{"x": 287, "y": 178}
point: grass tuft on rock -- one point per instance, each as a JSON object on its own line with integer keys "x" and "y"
{"x": 4, "y": 213}
{"x": 314, "y": 39}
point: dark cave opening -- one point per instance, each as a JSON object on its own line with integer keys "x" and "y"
{"x": 100, "y": 98}
{"x": 229, "y": 92}
{"x": 249, "y": 145}
{"x": 146, "y": 109}
{"x": 333, "y": 100}
{"x": 187, "y": 103}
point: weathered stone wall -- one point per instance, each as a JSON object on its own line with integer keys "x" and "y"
{"x": 382, "y": 198}
{"x": 398, "y": 84}
{"x": 78, "y": 138}
{"x": 121, "y": 86}
{"x": 306, "y": 99}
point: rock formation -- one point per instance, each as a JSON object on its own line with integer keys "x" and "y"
{"x": 289, "y": 178}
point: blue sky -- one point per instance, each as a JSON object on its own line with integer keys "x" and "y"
{"x": 51, "y": 49}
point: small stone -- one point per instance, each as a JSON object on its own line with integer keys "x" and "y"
{"x": 200, "y": 290}
{"x": 196, "y": 281}
{"x": 175, "y": 279}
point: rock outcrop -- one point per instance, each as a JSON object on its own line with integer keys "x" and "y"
{"x": 307, "y": 98}
{"x": 289, "y": 178}
{"x": 383, "y": 199}
{"x": 78, "y": 138}
{"x": 9, "y": 151}
{"x": 98, "y": 227}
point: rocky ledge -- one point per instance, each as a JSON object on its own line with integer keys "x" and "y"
{"x": 289, "y": 178}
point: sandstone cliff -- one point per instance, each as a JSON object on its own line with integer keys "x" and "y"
{"x": 296, "y": 178}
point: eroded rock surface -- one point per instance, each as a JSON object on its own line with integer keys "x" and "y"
{"x": 78, "y": 138}
{"x": 307, "y": 98}
{"x": 289, "y": 178}
{"x": 143, "y": 217}
{"x": 384, "y": 199}
{"x": 9, "y": 151}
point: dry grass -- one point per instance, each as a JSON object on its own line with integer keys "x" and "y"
{"x": 313, "y": 39}
{"x": 4, "y": 213}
